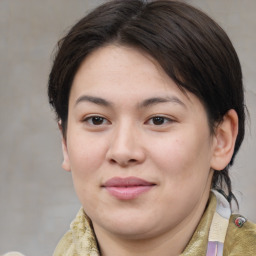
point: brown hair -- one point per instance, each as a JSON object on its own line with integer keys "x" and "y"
{"x": 192, "y": 49}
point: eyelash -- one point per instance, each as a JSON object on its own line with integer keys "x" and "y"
{"x": 91, "y": 119}
{"x": 151, "y": 121}
{"x": 163, "y": 120}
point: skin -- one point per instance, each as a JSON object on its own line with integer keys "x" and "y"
{"x": 111, "y": 132}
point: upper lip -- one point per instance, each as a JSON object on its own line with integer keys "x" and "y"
{"x": 126, "y": 182}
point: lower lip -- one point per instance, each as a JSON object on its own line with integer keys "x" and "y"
{"x": 128, "y": 193}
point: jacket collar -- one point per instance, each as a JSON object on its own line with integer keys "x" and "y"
{"x": 199, "y": 241}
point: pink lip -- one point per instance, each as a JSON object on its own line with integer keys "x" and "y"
{"x": 127, "y": 188}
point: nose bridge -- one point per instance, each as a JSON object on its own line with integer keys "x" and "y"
{"x": 125, "y": 146}
{"x": 123, "y": 140}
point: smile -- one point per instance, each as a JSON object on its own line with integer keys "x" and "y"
{"x": 127, "y": 188}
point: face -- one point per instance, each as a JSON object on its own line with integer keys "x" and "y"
{"x": 140, "y": 150}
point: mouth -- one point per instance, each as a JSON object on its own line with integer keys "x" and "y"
{"x": 127, "y": 188}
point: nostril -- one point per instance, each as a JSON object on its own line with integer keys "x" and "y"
{"x": 123, "y": 162}
{"x": 112, "y": 161}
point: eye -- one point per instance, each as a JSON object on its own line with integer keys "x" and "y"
{"x": 96, "y": 120}
{"x": 159, "y": 120}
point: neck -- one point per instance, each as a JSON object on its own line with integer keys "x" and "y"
{"x": 164, "y": 245}
{"x": 171, "y": 243}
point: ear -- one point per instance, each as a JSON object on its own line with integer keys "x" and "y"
{"x": 224, "y": 140}
{"x": 66, "y": 163}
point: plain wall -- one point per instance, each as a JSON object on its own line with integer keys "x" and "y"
{"x": 37, "y": 200}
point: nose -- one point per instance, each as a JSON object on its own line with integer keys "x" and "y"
{"x": 126, "y": 147}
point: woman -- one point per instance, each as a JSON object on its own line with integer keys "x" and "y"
{"x": 149, "y": 100}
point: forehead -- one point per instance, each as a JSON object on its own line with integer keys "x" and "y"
{"x": 109, "y": 65}
{"x": 113, "y": 61}
{"x": 112, "y": 70}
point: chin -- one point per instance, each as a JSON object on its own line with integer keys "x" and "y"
{"x": 132, "y": 232}
{"x": 130, "y": 225}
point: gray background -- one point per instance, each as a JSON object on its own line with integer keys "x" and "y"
{"x": 37, "y": 200}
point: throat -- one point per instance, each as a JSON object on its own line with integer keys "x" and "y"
{"x": 167, "y": 244}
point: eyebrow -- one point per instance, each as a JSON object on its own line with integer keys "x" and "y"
{"x": 146, "y": 103}
{"x": 156, "y": 100}
{"x": 92, "y": 99}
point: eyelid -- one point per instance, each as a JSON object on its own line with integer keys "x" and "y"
{"x": 166, "y": 118}
{"x": 91, "y": 116}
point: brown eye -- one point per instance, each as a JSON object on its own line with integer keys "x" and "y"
{"x": 96, "y": 120}
{"x": 158, "y": 120}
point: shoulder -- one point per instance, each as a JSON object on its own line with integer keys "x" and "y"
{"x": 241, "y": 237}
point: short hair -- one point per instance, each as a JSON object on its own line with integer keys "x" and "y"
{"x": 191, "y": 48}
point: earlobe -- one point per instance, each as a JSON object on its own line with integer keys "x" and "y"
{"x": 65, "y": 164}
{"x": 225, "y": 138}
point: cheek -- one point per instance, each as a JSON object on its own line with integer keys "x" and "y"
{"x": 172, "y": 154}
{"x": 183, "y": 157}
{"x": 86, "y": 155}
{"x": 184, "y": 166}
